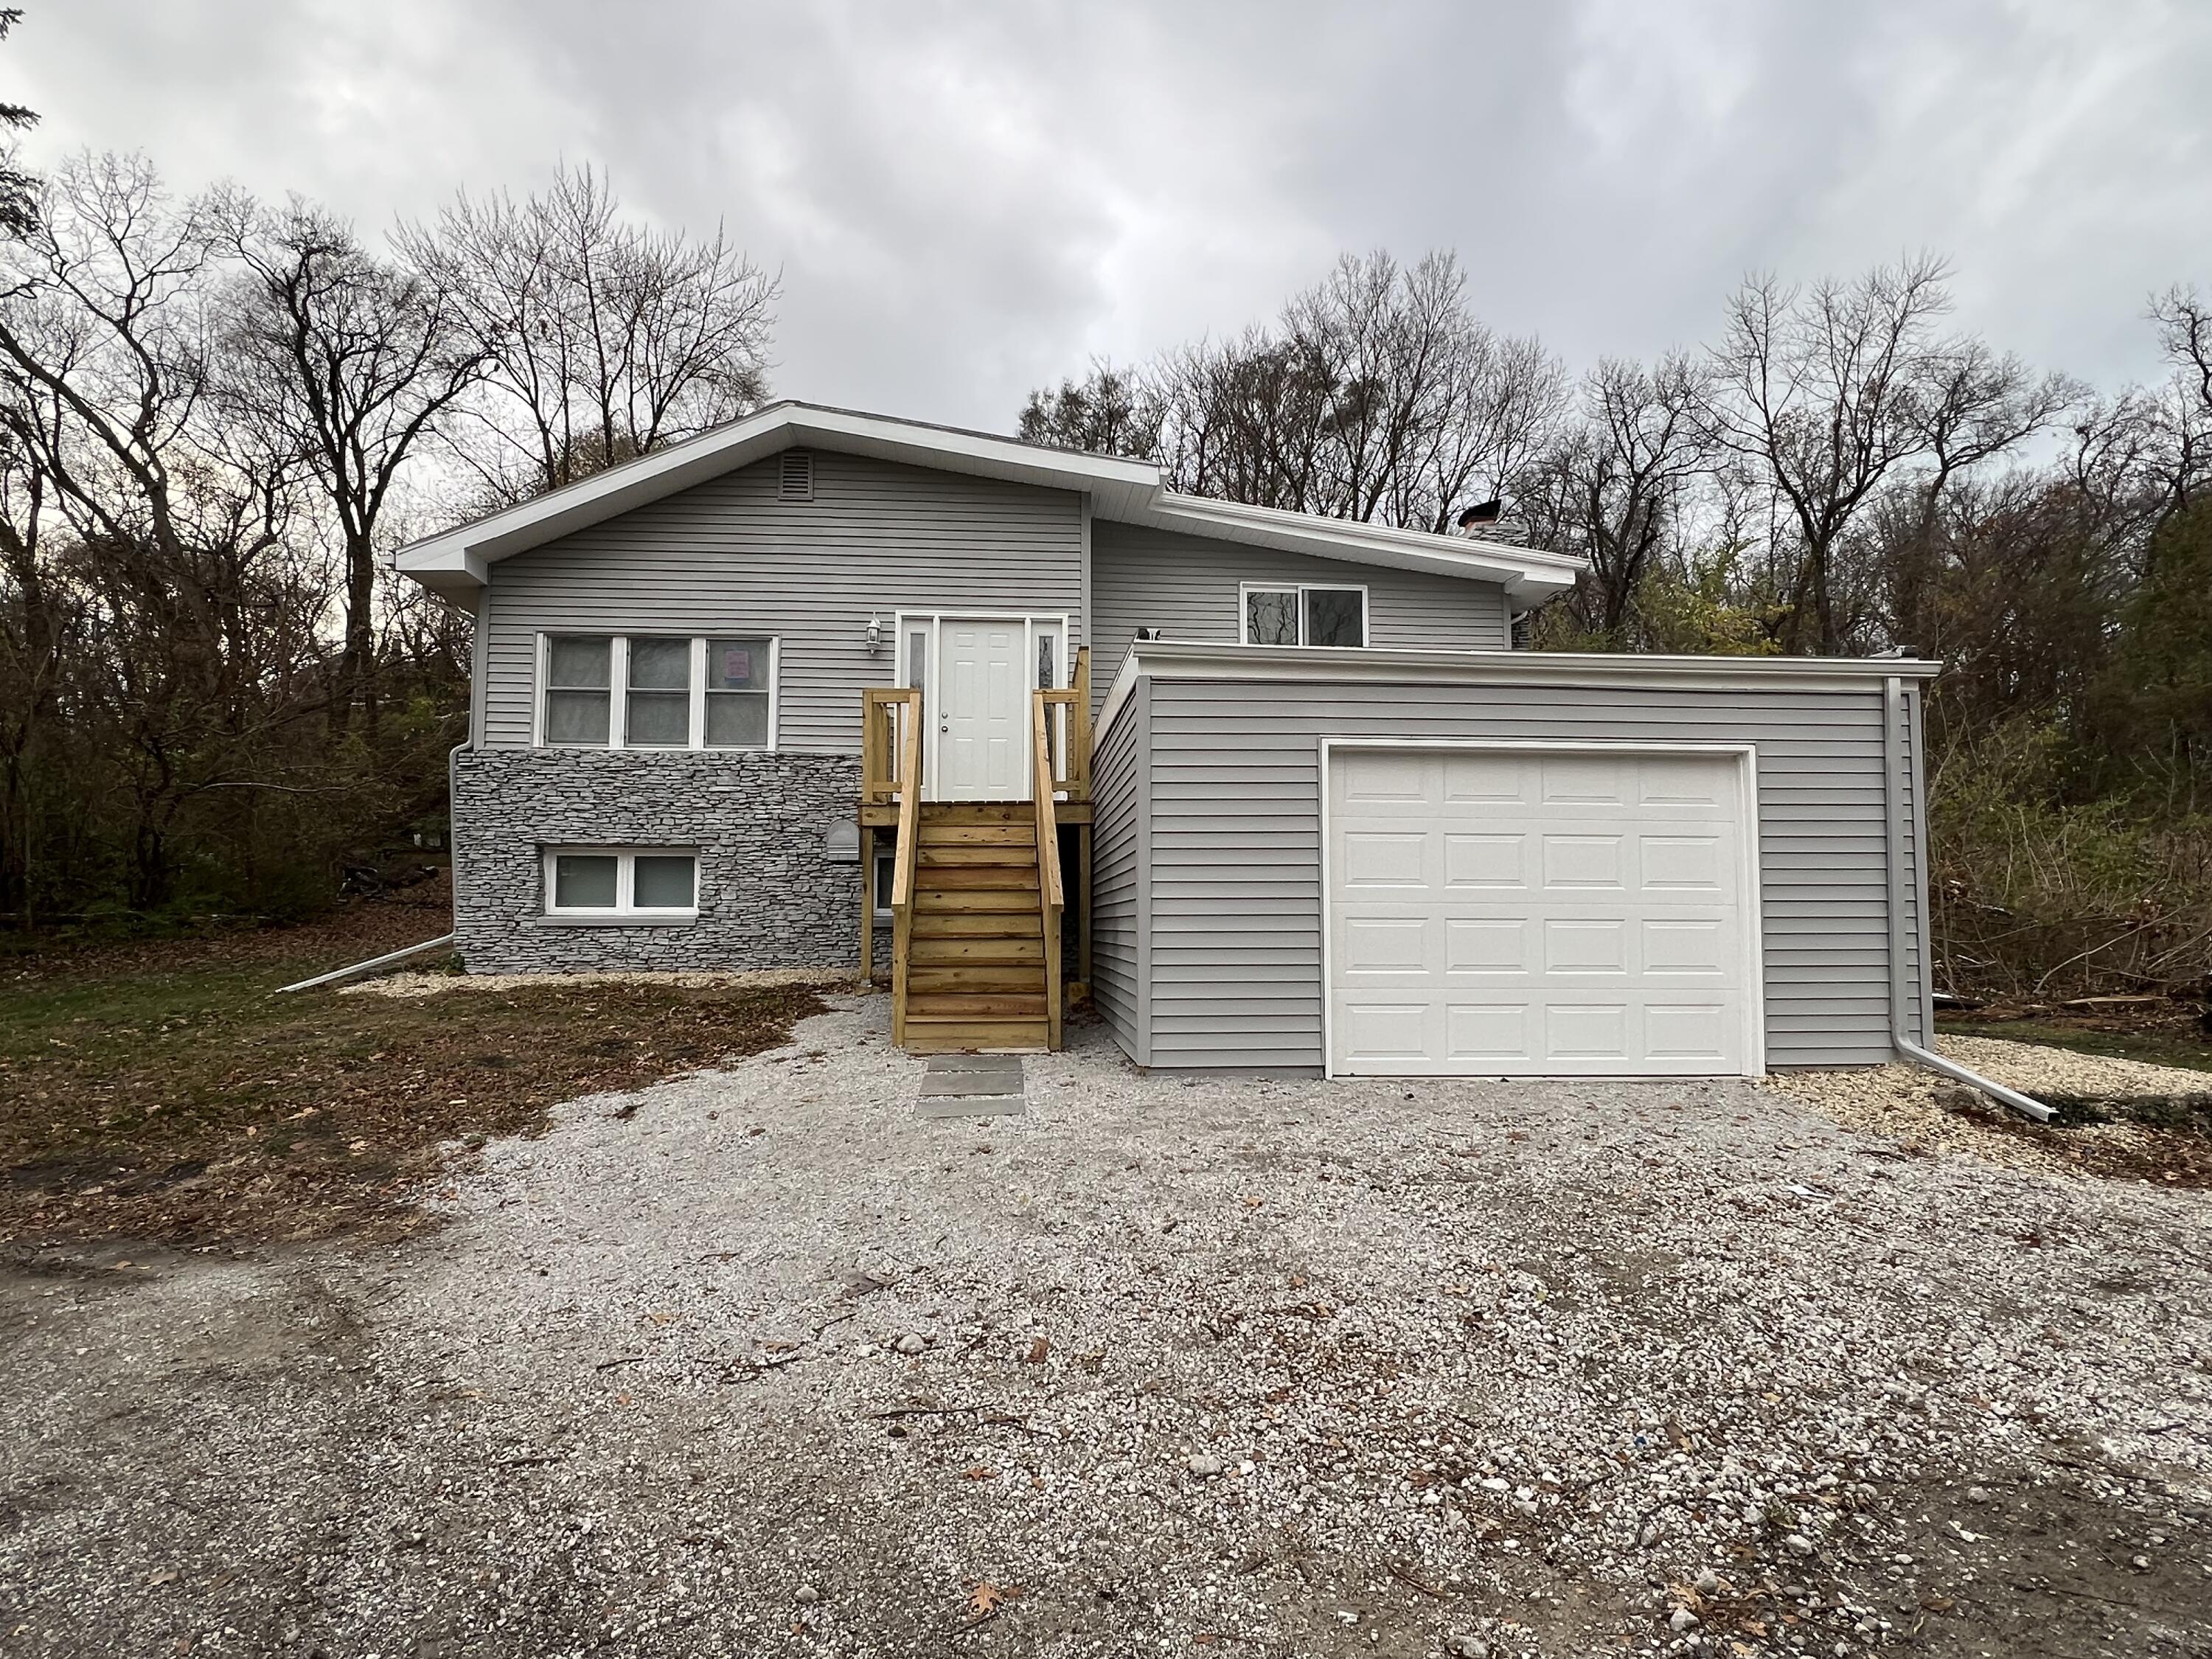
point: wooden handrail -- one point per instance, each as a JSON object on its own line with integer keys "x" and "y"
{"x": 1051, "y": 895}
{"x": 886, "y": 714}
{"x": 907, "y": 781}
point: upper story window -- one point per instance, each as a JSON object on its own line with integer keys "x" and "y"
{"x": 646, "y": 691}
{"x": 1304, "y": 614}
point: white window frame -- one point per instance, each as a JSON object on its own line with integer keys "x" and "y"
{"x": 626, "y": 907}
{"x": 1244, "y": 590}
{"x": 618, "y": 693}
{"x": 886, "y": 853}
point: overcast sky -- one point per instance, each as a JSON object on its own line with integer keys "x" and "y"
{"x": 968, "y": 200}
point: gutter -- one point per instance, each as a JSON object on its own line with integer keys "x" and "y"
{"x": 1893, "y": 709}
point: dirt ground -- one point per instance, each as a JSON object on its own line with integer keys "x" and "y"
{"x": 756, "y": 1362}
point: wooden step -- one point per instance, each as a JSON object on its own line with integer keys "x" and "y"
{"x": 952, "y": 878}
{"x": 957, "y": 1036}
{"x": 977, "y": 811}
{"x": 924, "y": 950}
{"x": 952, "y": 855}
{"x": 999, "y": 901}
{"x": 977, "y": 835}
{"x": 968, "y": 924}
{"x": 995, "y": 1005}
{"x": 975, "y": 977}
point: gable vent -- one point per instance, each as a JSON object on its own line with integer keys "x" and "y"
{"x": 797, "y": 476}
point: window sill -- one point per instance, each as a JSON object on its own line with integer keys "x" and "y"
{"x": 687, "y": 919}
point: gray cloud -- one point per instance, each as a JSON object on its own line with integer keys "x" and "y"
{"x": 966, "y": 200}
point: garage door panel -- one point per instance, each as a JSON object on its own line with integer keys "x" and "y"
{"x": 1680, "y": 864}
{"x": 1486, "y": 945}
{"x": 1574, "y": 862}
{"x": 1685, "y": 1031}
{"x": 1676, "y": 947}
{"x": 1586, "y": 1030}
{"x": 1389, "y": 1032}
{"x": 1577, "y": 945}
{"x": 1374, "y": 858}
{"x": 1484, "y": 780}
{"x": 1487, "y": 1033}
{"x": 1385, "y": 944}
{"x": 1584, "y": 780}
{"x": 1391, "y": 780}
{"x": 1531, "y": 913}
{"x": 1488, "y": 859}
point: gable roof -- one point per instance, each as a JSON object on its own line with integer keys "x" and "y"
{"x": 458, "y": 562}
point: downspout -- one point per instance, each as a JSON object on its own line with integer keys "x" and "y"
{"x": 1893, "y": 764}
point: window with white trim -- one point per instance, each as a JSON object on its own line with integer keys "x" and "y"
{"x": 647, "y": 691}
{"x": 610, "y": 882}
{"x": 884, "y": 879}
{"x": 1305, "y": 613}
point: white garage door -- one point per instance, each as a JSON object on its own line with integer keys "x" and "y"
{"x": 1546, "y": 913}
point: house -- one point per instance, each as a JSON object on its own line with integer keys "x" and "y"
{"x": 1001, "y": 722}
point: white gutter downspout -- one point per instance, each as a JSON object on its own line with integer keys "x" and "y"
{"x": 1892, "y": 760}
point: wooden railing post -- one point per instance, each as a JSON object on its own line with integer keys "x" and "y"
{"x": 1051, "y": 898}
{"x": 908, "y": 725}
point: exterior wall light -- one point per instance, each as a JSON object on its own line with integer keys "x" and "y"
{"x": 875, "y": 635}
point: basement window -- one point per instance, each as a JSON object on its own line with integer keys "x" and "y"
{"x": 609, "y": 883}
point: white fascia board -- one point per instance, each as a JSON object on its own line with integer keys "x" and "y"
{"x": 1173, "y": 659}
{"x": 780, "y": 427}
{"x": 1528, "y": 574}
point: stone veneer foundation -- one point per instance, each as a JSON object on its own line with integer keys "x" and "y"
{"x": 769, "y": 895}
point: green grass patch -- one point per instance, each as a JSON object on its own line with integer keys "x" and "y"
{"x": 2161, "y": 1046}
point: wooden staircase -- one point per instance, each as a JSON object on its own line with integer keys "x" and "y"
{"x": 974, "y": 971}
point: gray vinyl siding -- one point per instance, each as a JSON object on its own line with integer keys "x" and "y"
{"x": 1116, "y": 886}
{"x": 729, "y": 556}
{"x": 1187, "y": 586}
{"x": 1233, "y": 959}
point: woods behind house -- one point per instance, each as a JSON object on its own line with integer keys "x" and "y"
{"x": 1840, "y": 469}
{"x": 219, "y": 415}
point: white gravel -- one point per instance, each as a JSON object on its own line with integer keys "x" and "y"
{"x": 1923, "y": 1111}
{"x": 427, "y": 985}
{"x": 1288, "y": 1366}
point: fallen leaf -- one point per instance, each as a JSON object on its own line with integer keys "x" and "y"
{"x": 986, "y": 1598}
{"x": 163, "y": 1576}
{"x": 1937, "y": 1603}
{"x": 1038, "y": 1350}
{"x": 981, "y": 1472}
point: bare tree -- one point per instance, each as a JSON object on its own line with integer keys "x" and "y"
{"x": 1616, "y": 488}
{"x": 1831, "y": 391}
{"x": 347, "y": 362}
{"x": 1110, "y": 411}
{"x": 601, "y": 340}
{"x": 1376, "y": 395}
{"x": 202, "y": 615}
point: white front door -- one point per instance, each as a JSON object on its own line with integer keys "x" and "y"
{"x": 982, "y": 711}
{"x": 1560, "y": 913}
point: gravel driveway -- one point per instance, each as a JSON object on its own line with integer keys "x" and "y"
{"x": 757, "y": 1363}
